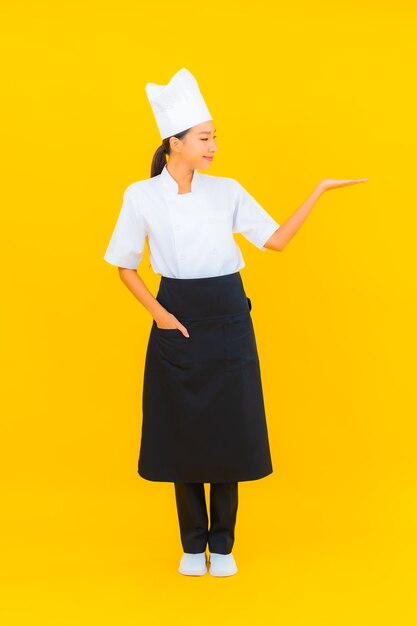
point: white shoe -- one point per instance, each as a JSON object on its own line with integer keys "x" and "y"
{"x": 193, "y": 564}
{"x": 222, "y": 564}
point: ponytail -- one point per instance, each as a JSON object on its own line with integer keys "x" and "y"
{"x": 160, "y": 157}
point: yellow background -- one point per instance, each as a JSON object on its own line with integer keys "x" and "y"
{"x": 299, "y": 91}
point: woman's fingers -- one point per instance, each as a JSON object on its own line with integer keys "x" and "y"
{"x": 183, "y": 330}
{"x": 176, "y": 324}
{"x": 332, "y": 183}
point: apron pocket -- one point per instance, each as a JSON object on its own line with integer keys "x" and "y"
{"x": 167, "y": 329}
{"x": 239, "y": 342}
{"x": 172, "y": 346}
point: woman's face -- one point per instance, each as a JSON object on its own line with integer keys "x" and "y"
{"x": 198, "y": 146}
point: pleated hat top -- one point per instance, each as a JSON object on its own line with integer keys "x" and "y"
{"x": 178, "y": 105}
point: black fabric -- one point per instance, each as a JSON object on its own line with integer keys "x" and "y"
{"x": 193, "y": 519}
{"x": 203, "y": 409}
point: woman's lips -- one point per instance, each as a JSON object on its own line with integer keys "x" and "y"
{"x": 209, "y": 158}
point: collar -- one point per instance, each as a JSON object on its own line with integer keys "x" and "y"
{"x": 171, "y": 184}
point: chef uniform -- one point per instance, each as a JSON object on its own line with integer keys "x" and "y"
{"x": 203, "y": 410}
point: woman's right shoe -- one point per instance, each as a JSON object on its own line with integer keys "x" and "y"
{"x": 193, "y": 564}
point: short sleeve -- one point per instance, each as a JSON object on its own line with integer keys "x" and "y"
{"x": 127, "y": 242}
{"x": 251, "y": 219}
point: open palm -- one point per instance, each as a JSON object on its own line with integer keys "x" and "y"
{"x": 333, "y": 183}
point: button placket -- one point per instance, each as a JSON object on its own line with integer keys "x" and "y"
{"x": 182, "y": 208}
{"x": 178, "y": 215}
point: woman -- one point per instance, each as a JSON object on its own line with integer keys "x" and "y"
{"x": 203, "y": 409}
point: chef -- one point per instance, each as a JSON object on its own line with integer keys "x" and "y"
{"x": 203, "y": 410}
{"x": 202, "y": 403}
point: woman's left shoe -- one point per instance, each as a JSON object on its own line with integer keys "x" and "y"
{"x": 193, "y": 564}
{"x": 222, "y": 564}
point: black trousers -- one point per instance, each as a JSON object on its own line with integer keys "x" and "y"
{"x": 193, "y": 518}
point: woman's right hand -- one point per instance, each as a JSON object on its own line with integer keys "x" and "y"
{"x": 169, "y": 321}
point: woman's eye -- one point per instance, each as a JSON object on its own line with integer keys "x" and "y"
{"x": 214, "y": 137}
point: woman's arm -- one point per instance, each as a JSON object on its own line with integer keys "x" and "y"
{"x": 287, "y": 230}
{"x": 162, "y": 317}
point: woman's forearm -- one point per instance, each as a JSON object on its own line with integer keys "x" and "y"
{"x": 287, "y": 230}
{"x": 135, "y": 284}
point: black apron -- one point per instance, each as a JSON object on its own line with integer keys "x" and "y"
{"x": 203, "y": 408}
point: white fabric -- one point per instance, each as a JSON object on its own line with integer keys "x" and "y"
{"x": 190, "y": 235}
{"x": 193, "y": 564}
{"x": 222, "y": 564}
{"x": 178, "y": 105}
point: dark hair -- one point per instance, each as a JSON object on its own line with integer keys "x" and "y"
{"x": 159, "y": 158}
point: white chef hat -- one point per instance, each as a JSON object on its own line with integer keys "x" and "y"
{"x": 177, "y": 105}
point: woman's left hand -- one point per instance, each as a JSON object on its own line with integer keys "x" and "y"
{"x": 333, "y": 183}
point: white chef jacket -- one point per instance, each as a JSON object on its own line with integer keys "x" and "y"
{"x": 190, "y": 235}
